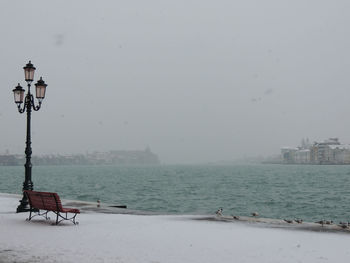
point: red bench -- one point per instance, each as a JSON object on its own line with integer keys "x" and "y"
{"x": 49, "y": 202}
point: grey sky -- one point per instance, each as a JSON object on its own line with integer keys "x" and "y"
{"x": 195, "y": 80}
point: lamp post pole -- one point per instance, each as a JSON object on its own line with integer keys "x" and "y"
{"x": 29, "y": 104}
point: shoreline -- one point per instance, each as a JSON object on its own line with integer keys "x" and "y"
{"x": 102, "y": 208}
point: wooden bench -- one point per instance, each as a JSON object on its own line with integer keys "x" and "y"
{"x": 49, "y": 202}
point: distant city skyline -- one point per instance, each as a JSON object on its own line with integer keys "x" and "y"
{"x": 145, "y": 157}
{"x": 328, "y": 151}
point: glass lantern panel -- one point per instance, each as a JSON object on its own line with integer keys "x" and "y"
{"x": 29, "y": 74}
{"x": 40, "y": 92}
{"x": 19, "y": 95}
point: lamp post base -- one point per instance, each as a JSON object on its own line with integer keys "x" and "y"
{"x": 24, "y": 206}
{"x": 27, "y": 185}
{"x": 21, "y": 209}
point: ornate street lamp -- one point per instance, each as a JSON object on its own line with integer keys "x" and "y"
{"x": 40, "y": 88}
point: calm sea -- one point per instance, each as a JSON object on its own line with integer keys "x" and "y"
{"x": 275, "y": 191}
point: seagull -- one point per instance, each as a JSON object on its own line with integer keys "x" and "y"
{"x": 298, "y": 220}
{"x": 343, "y": 225}
{"x": 255, "y": 214}
{"x": 219, "y": 212}
{"x": 236, "y": 217}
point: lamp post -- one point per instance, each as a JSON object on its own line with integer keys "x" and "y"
{"x": 40, "y": 88}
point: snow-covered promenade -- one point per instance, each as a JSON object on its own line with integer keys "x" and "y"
{"x": 164, "y": 239}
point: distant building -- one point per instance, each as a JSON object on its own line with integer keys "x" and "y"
{"x": 303, "y": 156}
{"x": 288, "y": 154}
{"x": 145, "y": 157}
{"x": 330, "y": 151}
{"x": 8, "y": 160}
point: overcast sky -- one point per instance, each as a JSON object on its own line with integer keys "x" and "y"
{"x": 196, "y": 81}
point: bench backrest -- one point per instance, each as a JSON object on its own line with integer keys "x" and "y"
{"x": 44, "y": 200}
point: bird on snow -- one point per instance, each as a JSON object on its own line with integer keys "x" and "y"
{"x": 219, "y": 212}
{"x": 255, "y": 214}
{"x": 343, "y": 225}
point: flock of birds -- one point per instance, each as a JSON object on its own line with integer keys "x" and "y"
{"x": 344, "y": 225}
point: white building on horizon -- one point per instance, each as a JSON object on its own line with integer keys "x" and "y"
{"x": 330, "y": 151}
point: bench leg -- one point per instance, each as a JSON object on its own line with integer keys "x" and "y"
{"x": 30, "y": 215}
{"x": 37, "y": 213}
{"x": 58, "y": 216}
{"x": 72, "y": 219}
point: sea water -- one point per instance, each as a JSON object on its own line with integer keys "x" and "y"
{"x": 310, "y": 192}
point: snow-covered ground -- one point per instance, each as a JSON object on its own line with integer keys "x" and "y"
{"x": 153, "y": 238}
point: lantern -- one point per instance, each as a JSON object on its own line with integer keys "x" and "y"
{"x": 29, "y": 70}
{"x": 40, "y": 89}
{"x": 19, "y": 94}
